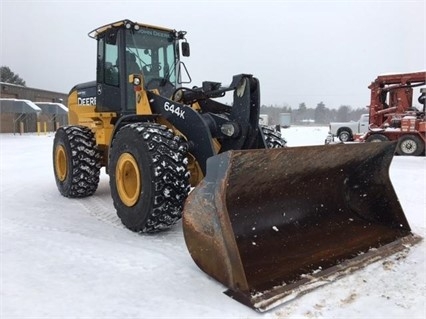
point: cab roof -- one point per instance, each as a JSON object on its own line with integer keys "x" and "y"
{"x": 123, "y": 23}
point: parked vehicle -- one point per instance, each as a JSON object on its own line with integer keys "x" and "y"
{"x": 346, "y": 131}
{"x": 393, "y": 117}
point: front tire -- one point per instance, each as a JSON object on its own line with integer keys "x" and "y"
{"x": 374, "y": 138}
{"x": 273, "y": 137}
{"x": 149, "y": 179}
{"x": 76, "y": 161}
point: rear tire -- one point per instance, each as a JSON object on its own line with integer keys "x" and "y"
{"x": 345, "y": 136}
{"x": 273, "y": 137}
{"x": 410, "y": 145}
{"x": 76, "y": 161}
{"x": 149, "y": 178}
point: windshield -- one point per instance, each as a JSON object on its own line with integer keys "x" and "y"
{"x": 153, "y": 53}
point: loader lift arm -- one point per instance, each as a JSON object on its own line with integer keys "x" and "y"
{"x": 236, "y": 126}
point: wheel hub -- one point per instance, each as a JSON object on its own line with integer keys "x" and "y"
{"x": 61, "y": 163}
{"x": 128, "y": 179}
{"x": 409, "y": 147}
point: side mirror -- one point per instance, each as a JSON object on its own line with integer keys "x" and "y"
{"x": 185, "y": 49}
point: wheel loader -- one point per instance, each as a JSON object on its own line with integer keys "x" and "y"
{"x": 269, "y": 222}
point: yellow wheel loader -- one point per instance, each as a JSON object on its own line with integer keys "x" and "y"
{"x": 269, "y": 222}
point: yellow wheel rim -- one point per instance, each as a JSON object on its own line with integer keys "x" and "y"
{"x": 128, "y": 179}
{"x": 61, "y": 163}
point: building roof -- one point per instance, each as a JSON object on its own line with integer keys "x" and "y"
{"x": 52, "y": 108}
{"x": 18, "y": 106}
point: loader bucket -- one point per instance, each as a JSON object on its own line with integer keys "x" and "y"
{"x": 272, "y": 224}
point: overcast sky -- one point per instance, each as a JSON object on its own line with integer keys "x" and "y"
{"x": 301, "y": 51}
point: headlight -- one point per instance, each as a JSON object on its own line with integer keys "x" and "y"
{"x": 178, "y": 95}
{"x": 230, "y": 129}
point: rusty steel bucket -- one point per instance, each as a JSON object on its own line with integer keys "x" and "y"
{"x": 273, "y": 224}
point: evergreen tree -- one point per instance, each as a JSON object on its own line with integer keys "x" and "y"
{"x": 7, "y": 76}
{"x": 321, "y": 113}
{"x": 302, "y": 108}
{"x": 343, "y": 113}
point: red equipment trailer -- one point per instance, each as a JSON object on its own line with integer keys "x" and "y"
{"x": 392, "y": 114}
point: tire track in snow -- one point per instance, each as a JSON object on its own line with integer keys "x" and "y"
{"x": 124, "y": 259}
{"x": 98, "y": 209}
{"x": 105, "y": 212}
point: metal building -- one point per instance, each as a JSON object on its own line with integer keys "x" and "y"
{"x": 17, "y": 112}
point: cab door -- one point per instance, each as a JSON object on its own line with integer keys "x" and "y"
{"x": 108, "y": 81}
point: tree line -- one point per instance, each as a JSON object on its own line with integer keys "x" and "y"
{"x": 318, "y": 115}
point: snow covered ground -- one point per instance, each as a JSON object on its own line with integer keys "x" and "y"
{"x": 72, "y": 258}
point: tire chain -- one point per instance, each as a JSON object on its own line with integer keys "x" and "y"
{"x": 171, "y": 175}
{"x": 273, "y": 137}
{"x": 86, "y": 161}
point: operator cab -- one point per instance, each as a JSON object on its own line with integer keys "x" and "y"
{"x": 126, "y": 48}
